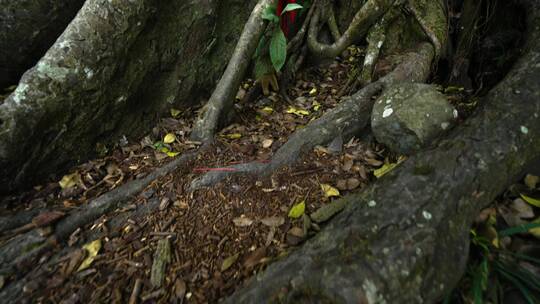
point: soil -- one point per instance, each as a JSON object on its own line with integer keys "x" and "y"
{"x": 243, "y": 221}
{"x": 219, "y": 236}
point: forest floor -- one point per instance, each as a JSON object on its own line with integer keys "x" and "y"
{"x": 213, "y": 239}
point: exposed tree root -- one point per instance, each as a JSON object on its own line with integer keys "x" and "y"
{"x": 25, "y": 248}
{"x": 437, "y": 44}
{"x": 349, "y": 118}
{"x": 14, "y": 292}
{"x": 370, "y": 12}
{"x": 468, "y": 31}
{"x": 298, "y": 39}
{"x": 223, "y": 96}
{"x": 375, "y": 38}
{"x": 297, "y": 51}
{"x": 405, "y": 239}
{"x": 29, "y": 30}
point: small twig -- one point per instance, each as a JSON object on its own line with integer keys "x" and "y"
{"x": 309, "y": 171}
{"x": 214, "y": 169}
{"x": 136, "y": 291}
{"x": 162, "y": 233}
{"x": 153, "y": 295}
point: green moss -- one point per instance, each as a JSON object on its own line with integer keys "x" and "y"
{"x": 30, "y": 247}
{"x": 423, "y": 169}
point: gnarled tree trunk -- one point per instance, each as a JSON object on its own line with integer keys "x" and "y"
{"x": 116, "y": 67}
{"x": 27, "y": 29}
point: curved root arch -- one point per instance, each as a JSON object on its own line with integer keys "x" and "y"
{"x": 370, "y": 12}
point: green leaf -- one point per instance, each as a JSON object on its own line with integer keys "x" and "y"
{"x": 261, "y": 48}
{"x": 263, "y": 66}
{"x": 158, "y": 145}
{"x": 228, "y": 262}
{"x": 533, "y": 201}
{"x": 278, "y": 49}
{"x": 297, "y": 210}
{"x": 509, "y": 276}
{"x": 269, "y": 13}
{"x": 291, "y": 7}
{"x": 518, "y": 229}
{"x": 480, "y": 279}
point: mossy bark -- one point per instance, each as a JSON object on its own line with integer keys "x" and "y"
{"x": 116, "y": 67}
{"x": 27, "y": 29}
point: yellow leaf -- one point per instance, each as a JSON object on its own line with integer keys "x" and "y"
{"x": 297, "y": 210}
{"x": 228, "y": 262}
{"x": 316, "y": 106}
{"x": 313, "y": 92}
{"x": 268, "y": 110}
{"x": 172, "y": 154}
{"x": 384, "y": 169}
{"x": 233, "y": 136}
{"x": 297, "y": 112}
{"x": 329, "y": 191}
{"x": 175, "y": 112}
{"x": 453, "y": 90}
{"x": 533, "y": 201}
{"x": 169, "y": 138}
{"x": 387, "y": 167}
{"x": 535, "y": 231}
{"x": 168, "y": 152}
{"x": 92, "y": 250}
{"x": 70, "y": 181}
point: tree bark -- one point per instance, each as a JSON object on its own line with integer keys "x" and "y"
{"x": 405, "y": 239}
{"x": 27, "y": 29}
{"x": 113, "y": 70}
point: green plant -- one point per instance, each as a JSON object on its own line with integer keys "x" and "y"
{"x": 491, "y": 269}
{"x": 278, "y": 41}
{"x": 271, "y": 52}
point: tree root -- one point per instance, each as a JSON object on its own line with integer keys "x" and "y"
{"x": 349, "y": 118}
{"x": 375, "y": 38}
{"x": 223, "y": 96}
{"x": 370, "y": 12}
{"x": 25, "y": 248}
{"x": 13, "y": 293}
{"x": 405, "y": 239}
{"x": 437, "y": 44}
{"x": 298, "y": 39}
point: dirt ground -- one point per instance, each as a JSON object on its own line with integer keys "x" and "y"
{"x": 169, "y": 244}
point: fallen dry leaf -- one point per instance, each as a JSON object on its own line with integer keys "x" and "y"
{"x": 273, "y": 221}
{"x": 228, "y": 262}
{"x": 92, "y": 250}
{"x": 255, "y": 258}
{"x": 329, "y": 191}
{"x": 47, "y": 218}
{"x": 242, "y": 221}
{"x": 267, "y": 143}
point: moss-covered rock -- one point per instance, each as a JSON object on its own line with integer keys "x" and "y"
{"x": 409, "y": 116}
